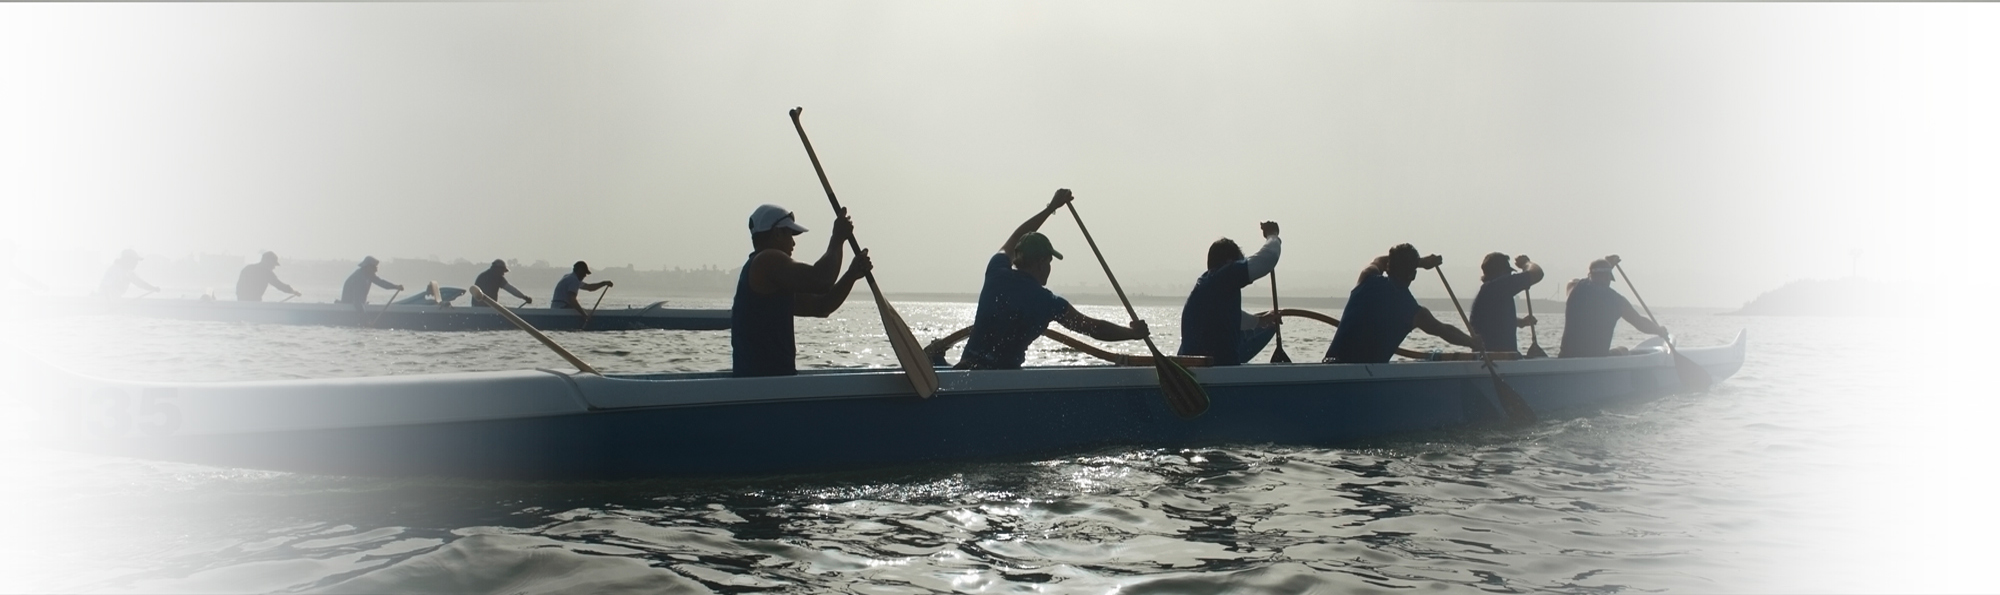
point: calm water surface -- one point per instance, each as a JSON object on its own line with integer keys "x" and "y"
{"x": 1848, "y": 456}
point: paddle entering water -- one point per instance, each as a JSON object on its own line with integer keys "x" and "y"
{"x": 1534, "y": 340}
{"x": 909, "y": 353}
{"x": 1278, "y": 334}
{"x": 1692, "y": 374}
{"x": 480, "y": 296}
{"x": 1185, "y": 396}
{"x": 1516, "y": 407}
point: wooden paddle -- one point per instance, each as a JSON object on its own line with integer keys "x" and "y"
{"x": 1517, "y": 408}
{"x": 437, "y": 299}
{"x": 1184, "y": 395}
{"x": 1278, "y": 334}
{"x": 385, "y": 307}
{"x": 910, "y": 354}
{"x": 1534, "y": 340}
{"x": 1692, "y": 374}
{"x": 532, "y": 331}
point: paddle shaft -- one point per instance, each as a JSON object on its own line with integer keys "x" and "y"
{"x": 1642, "y": 300}
{"x": 385, "y": 307}
{"x": 1534, "y": 336}
{"x": 1185, "y": 396}
{"x": 532, "y": 331}
{"x": 916, "y": 365}
{"x": 593, "y": 307}
{"x": 1107, "y": 266}
{"x": 1278, "y": 356}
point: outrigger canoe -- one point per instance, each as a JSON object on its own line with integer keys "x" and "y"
{"x": 417, "y": 317}
{"x": 553, "y": 425}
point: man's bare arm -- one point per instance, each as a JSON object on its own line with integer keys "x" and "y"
{"x": 1102, "y": 330}
{"x": 1063, "y": 197}
{"x": 1430, "y": 324}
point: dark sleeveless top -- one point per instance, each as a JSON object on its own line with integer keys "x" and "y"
{"x": 760, "y": 331}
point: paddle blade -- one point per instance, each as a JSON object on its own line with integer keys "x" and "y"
{"x": 909, "y": 353}
{"x": 1517, "y": 408}
{"x": 1185, "y": 396}
{"x": 1279, "y": 356}
{"x": 1535, "y": 351}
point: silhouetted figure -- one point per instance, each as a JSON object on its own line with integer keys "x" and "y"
{"x": 1592, "y": 312}
{"x": 1493, "y": 318}
{"x": 1213, "y": 322}
{"x": 1015, "y": 304}
{"x": 251, "y": 282}
{"x": 355, "y": 291}
{"x": 493, "y": 280}
{"x": 773, "y": 288}
{"x": 567, "y": 288}
{"x": 1381, "y": 311}
{"x": 123, "y": 273}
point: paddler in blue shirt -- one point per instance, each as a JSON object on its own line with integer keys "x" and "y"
{"x": 1213, "y": 322}
{"x": 1592, "y": 312}
{"x": 355, "y": 291}
{"x": 571, "y": 284}
{"x": 1015, "y": 304}
{"x": 1381, "y": 311}
{"x": 251, "y": 282}
{"x": 773, "y": 288}
{"x": 1493, "y": 318}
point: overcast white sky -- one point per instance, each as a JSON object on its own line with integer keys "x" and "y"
{"x": 1722, "y": 149}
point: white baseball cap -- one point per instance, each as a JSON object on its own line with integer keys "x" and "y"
{"x": 769, "y": 217}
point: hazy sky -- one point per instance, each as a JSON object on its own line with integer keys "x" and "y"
{"x": 1722, "y": 149}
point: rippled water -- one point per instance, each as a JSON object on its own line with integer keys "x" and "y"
{"x": 1836, "y": 461}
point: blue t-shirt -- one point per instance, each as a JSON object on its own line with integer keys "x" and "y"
{"x": 1589, "y": 317}
{"x": 1213, "y": 315}
{"x": 566, "y": 291}
{"x": 1380, "y": 312}
{"x": 1013, "y": 312}
{"x": 760, "y": 331}
{"x": 1493, "y": 316}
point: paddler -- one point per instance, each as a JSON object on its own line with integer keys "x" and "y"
{"x": 1213, "y": 322}
{"x": 251, "y": 282}
{"x": 1592, "y": 312}
{"x": 1015, "y": 304}
{"x": 1493, "y": 318}
{"x": 773, "y": 288}
{"x": 567, "y": 288}
{"x": 1381, "y": 311}
{"x": 123, "y": 273}
{"x": 355, "y": 291}
{"x": 494, "y": 279}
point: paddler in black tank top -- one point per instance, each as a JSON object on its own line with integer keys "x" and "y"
{"x": 773, "y": 288}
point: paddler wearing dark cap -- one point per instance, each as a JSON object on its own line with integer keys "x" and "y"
{"x": 567, "y": 288}
{"x": 355, "y": 291}
{"x": 773, "y": 288}
{"x": 1592, "y": 312}
{"x": 494, "y": 279}
{"x": 1015, "y": 304}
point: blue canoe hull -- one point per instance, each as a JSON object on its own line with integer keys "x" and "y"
{"x": 683, "y": 426}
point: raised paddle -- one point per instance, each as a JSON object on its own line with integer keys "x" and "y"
{"x": 1517, "y": 408}
{"x": 1184, "y": 395}
{"x": 385, "y": 307}
{"x": 1692, "y": 374}
{"x": 537, "y": 334}
{"x": 1534, "y": 341}
{"x": 909, "y": 353}
{"x": 436, "y": 299}
{"x": 1278, "y": 357}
